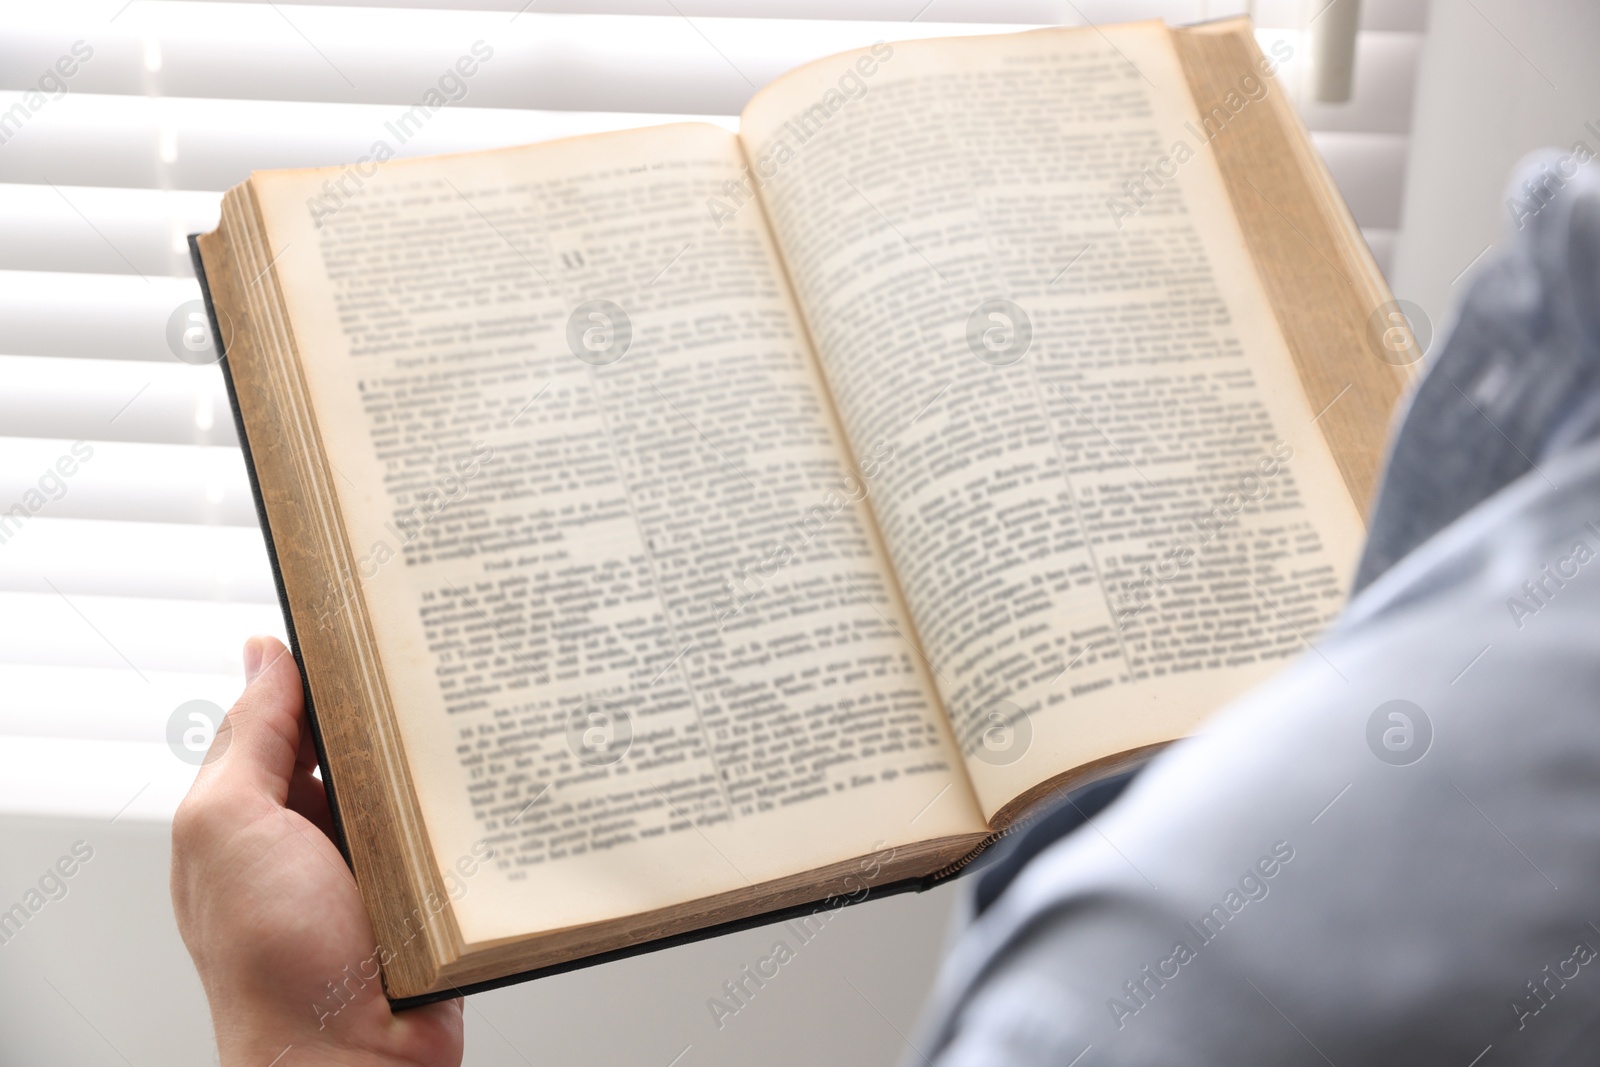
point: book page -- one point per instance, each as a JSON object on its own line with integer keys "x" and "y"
{"x": 635, "y": 625}
{"x": 1111, "y": 509}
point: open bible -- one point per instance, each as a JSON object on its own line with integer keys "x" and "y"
{"x": 678, "y": 528}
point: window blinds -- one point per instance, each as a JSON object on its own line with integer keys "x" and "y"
{"x": 128, "y": 585}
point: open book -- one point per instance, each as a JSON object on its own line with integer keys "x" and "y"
{"x": 678, "y": 527}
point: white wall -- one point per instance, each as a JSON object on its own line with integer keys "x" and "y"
{"x": 1499, "y": 78}
{"x": 100, "y": 977}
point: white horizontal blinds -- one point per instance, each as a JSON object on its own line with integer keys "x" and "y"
{"x": 128, "y": 590}
{"x": 1375, "y": 14}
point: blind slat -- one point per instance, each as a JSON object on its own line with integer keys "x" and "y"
{"x": 140, "y": 633}
{"x": 168, "y": 403}
{"x": 1381, "y": 242}
{"x": 38, "y": 700}
{"x": 123, "y": 480}
{"x": 176, "y": 561}
{"x": 92, "y": 778}
{"x": 101, "y": 230}
{"x": 1385, "y": 77}
{"x": 213, "y": 144}
{"x": 90, "y": 316}
{"x": 1369, "y": 169}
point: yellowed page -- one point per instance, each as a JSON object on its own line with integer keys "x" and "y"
{"x": 1111, "y": 510}
{"x": 637, "y": 631}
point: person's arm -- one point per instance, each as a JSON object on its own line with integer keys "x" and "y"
{"x": 268, "y": 908}
{"x": 1390, "y": 854}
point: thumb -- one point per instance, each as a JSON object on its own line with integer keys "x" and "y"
{"x": 258, "y": 744}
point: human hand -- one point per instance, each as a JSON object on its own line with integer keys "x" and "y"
{"x": 267, "y": 906}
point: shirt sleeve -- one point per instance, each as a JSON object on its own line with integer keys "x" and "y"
{"x": 1389, "y": 854}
